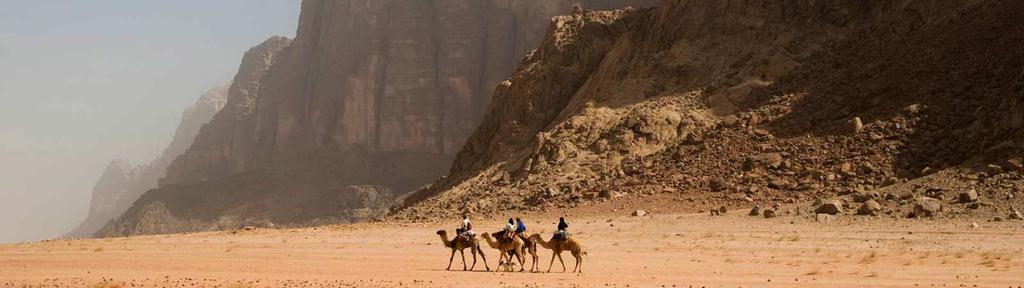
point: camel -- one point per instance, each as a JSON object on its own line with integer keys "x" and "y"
{"x": 460, "y": 243}
{"x": 507, "y": 250}
{"x": 557, "y": 246}
{"x": 530, "y": 246}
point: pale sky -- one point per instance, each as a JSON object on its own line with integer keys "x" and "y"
{"x": 84, "y": 82}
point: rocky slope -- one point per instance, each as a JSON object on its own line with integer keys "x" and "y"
{"x": 896, "y": 104}
{"x": 121, "y": 184}
{"x": 371, "y": 100}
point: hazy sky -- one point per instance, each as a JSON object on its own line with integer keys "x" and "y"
{"x": 83, "y": 82}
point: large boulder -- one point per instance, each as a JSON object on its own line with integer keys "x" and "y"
{"x": 771, "y": 160}
{"x": 756, "y": 211}
{"x": 831, "y": 207}
{"x": 926, "y": 207}
{"x": 968, "y": 196}
{"x": 870, "y": 207}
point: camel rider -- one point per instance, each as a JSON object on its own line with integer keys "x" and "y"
{"x": 520, "y": 228}
{"x": 510, "y": 229}
{"x": 562, "y": 233}
{"x": 466, "y": 227}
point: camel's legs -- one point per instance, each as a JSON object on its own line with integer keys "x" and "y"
{"x": 463, "y": 253}
{"x": 450, "y": 260}
{"x": 563, "y": 262}
{"x": 522, "y": 261}
{"x": 501, "y": 263}
{"x": 482, "y": 257}
{"x": 579, "y": 263}
{"x": 473, "y": 251}
{"x": 553, "y": 253}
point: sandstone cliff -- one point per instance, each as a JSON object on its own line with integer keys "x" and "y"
{"x": 715, "y": 102}
{"x": 371, "y": 100}
{"x": 121, "y": 184}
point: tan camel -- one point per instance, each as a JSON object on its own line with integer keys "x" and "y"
{"x": 557, "y": 246}
{"x": 530, "y": 246}
{"x": 507, "y": 249}
{"x": 460, "y": 243}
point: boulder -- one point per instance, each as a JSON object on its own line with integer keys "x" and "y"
{"x": 640, "y": 213}
{"x": 831, "y": 207}
{"x": 870, "y": 207}
{"x": 926, "y": 207}
{"x": 717, "y": 184}
{"x": 1014, "y": 164}
{"x": 1015, "y": 214}
{"x": 858, "y": 125}
{"x": 756, "y": 211}
{"x": 769, "y": 213}
{"x": 722, "y": 210}
{"x": 824, "y": 218}
{"x": 772, "y": 160}
{"x": 968, "y": 196}
{"x": 862, "y": 197}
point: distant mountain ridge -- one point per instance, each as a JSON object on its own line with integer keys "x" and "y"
{"x": 371, "y": 100}
{"x": 121, "y": 183}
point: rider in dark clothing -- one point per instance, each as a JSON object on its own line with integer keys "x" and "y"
{"x": 520, "y": 227}
{"x": 562, "y": 234}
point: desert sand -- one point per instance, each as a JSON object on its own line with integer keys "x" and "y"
{"x": 683, "y": 250}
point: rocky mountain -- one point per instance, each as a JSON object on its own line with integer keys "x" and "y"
{"x": 372, "y": 99}
{"x": 900, "y": 105}
{"x": 121, "y": 183}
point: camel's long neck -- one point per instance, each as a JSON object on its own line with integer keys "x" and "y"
{"x": 490, "y": 242}
{"x": 540, "y": 241}
{"x": 444, "y": 238}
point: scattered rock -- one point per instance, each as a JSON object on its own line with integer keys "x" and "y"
{"x": 722, "y": 210}
{"x": 769, "y": 213}
{"x": 969, "y": 196}
{"x": 862, "y": 197}
{"x": 772, "y": 160}
{"x": 975, "y": 225}
{"x": 831, "y": 207}
{"x": 1015, "y": 164}
{"x": 824, "y": 218}
{"x": 870, "y": 208}
{"x": 858, "y": 125}
{"x": 717, "y": 184}
{"x": 914, "y": 108}
{"x": 926, "y": 207}
{"x": 1015, "y": 214}
{"x": 639, "y": 213}
{"x": 756, "y": 211}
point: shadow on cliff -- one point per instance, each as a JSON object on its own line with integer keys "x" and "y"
{"x": 958, "y": 81}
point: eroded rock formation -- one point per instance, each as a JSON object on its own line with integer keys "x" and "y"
{"x": 710, "y": 102}
{"x": 121, "y": 183}
{"x": 370, "y": 93}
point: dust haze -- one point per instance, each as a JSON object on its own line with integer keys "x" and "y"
{"x": 86, "y": 82}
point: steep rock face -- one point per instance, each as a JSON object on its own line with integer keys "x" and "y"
{"x": 370, "y": 93}
{"x": 108, "y": 198}
{"x": 120, "y": 184}
{"x": 752, "y": 100}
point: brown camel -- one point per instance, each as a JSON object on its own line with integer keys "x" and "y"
{"x": 530, "y": 246}
{"x": 460, "y": 243}
{"x": 557, "y": 246}
{"x": 507, "y": 249}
